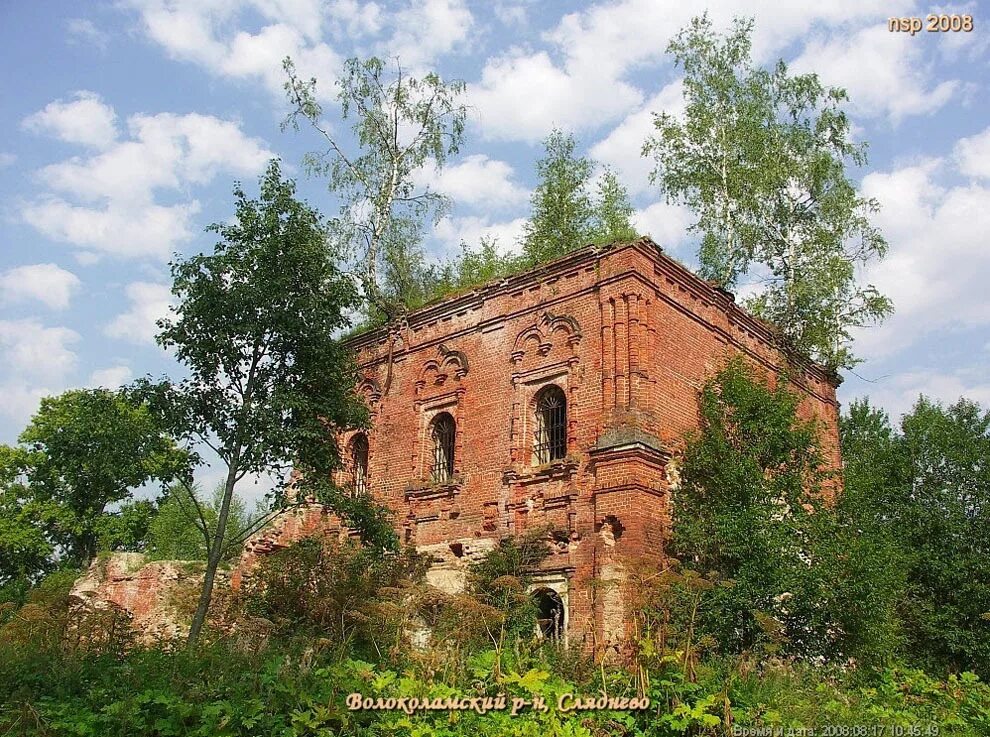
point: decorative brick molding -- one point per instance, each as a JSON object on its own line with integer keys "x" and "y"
{"x": 629, "y": 335}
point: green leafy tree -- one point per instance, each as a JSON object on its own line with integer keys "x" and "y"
{"x": 761, "y": 157}
{"x": 25, "y": 550}
{"x": 746, "y": 513}
{"x": 471, "y": 268}
{"x": 564, "y": 214}
{"x": 85, "y": 452}
{"x": 927, "y": 488}
{"x": 184, "y": 525}
{"x": 794, "y": 571}
{"x": 255, "y": 326}
{"x": 401, "y": 125}
{"x": 612, "y": 218}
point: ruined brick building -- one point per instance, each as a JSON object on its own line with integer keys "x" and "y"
{"x": 551, "y": 400}
{"x": 554, "y": 398}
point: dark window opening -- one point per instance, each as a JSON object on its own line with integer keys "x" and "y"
{"x": 549, "y": 613}
{"x": 613, "y": 526}
{"x": 551, "y": 425}
{"x": 359, "y": 463}
{"x": 442, "y": 432}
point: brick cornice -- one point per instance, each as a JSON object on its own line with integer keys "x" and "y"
{"x": 595, "y": 256}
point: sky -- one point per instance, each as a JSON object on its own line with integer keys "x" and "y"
{"x": 125, "y": 124}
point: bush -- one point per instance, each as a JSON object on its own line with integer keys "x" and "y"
{"x": 792, "y": 574}
{"x": 336, "y": 591}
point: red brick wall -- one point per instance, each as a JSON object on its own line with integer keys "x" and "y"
{"x": 630, "y": 336}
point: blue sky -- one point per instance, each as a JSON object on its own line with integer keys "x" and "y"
{"x": 125, "y": 123}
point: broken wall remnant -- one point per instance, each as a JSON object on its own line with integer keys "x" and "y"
{"x": 624, "y": 337}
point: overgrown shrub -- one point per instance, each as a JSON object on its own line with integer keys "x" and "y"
{"x": 330, "y": 589}
{"x": 791, "y": 575}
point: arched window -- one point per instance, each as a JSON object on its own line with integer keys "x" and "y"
{"x": 551, "y": 424}
{"x": 359, "y": 463}
{"x": 442, "y": 433}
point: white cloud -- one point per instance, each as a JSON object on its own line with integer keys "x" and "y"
{"x": 509, "y": 13}
{"x": 20, "y": 401}
{"x": 622, "y": 148}
{"x": 47, "y": 283}
{"x": 524, "y": 93}
{"x": 84, "y": 31}
{"x": 115, "y": 211}
{"x": 37, "y": 361}
{"x": 938, "y": 256}
{"x": 453, "y": 231}
{"x": 427, "y": 29}
{"x": 34, "y": 351}
{"x": 354, "y": 18}
{"x": 666, "y": 224}
{"x": 216, "y": 34}
{"x": 972, "y": 155}
{"x": 898, "y": 393}
{"x": 111, "y": 377}
{"x": 208, "y": 33}
{"x": 6, "y": 159}
{"x": 116, "y": 229}
{"x": 86, "y": 120}
{"x": 884, "y": 73}
{"x": 522, "y": 96}
{"x": 582, "y": 82}
{"x": 478, "y": 181}
{"x": 149, "y": 303}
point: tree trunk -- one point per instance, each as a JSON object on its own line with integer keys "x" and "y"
{"x": 215, "y": 554}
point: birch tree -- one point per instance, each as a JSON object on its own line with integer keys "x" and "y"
{"x": 401, "y": 126}
{"x": 761, "y": 157}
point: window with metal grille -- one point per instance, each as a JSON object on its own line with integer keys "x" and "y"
{"x": 551, "y": 424}
{"x": 442, "y": 431}
{"x": 359, "y": 463}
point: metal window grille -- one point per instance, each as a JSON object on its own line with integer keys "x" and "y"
{"x": 443, "y": 447}
{"x": 551, "y": 425}
{"x": 359, "y": 461}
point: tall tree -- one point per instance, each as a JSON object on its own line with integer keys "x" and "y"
{"x": 25, "y": 550}
{"x": 401, "y": 125}
{"x": 761, "y": 157}
{"x": 928, "y": 488}
{"x": 612, "y": 218}
{"x": 796, "y": 570}
{"x": 85, "y": 452}
{"x": 564, "y": 214}
{"x": 255, "y": 325}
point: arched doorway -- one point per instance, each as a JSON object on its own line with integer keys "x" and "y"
{"x": 549, "y": 614}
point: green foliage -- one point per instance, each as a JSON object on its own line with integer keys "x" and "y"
{"x": 473, "y": 267}
{"x": 564, "y": 217}
{"x": 25, "y": 550}
{"x": 500, "y": 581}
{"x": 331, "y": 590}
{"x": 255, "y": 326}
{"x": 289, "y": 691}
{"x": 926, "y": 489}
{"x": 612, "y": 219}
{"x": 401, "y": 126}
{"x": 183, "y": 525}
{"x": 789, "y": 573}
{"x": 561, "y": 218}
{"x": 761, "y": 158}
{"x": 68, "y": 487}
